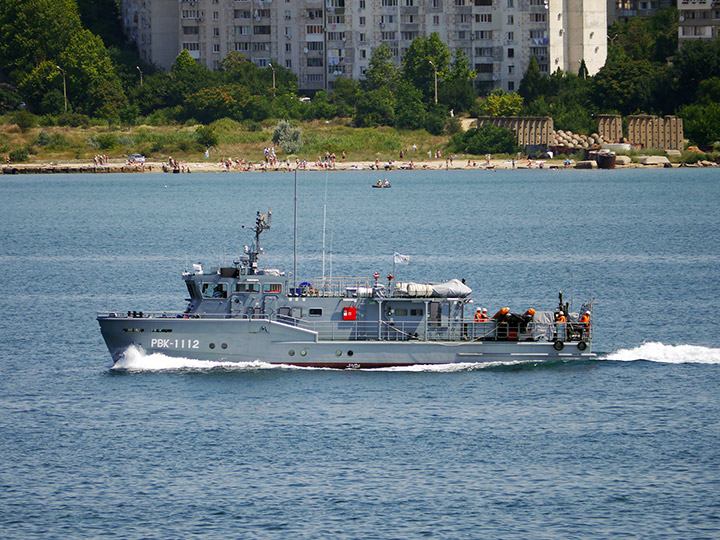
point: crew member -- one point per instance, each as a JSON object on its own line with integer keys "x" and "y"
{"x": 585, "y": 322}
{"x": 561, "y": 318}
{"x": 483, "y": 316}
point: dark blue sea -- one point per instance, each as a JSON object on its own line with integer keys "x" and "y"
{"x": 624, "y": 446}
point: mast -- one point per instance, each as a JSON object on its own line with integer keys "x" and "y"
{"x": 295, "y": 232}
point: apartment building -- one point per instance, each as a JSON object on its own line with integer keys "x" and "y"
{"x": 624, "y": 10}
{"x": 321, "y": 40}
{"x": 698, "y": 19}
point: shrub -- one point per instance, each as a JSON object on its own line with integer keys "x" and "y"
{"x": 289, "y": 138}
{"x": 20, "y": 155}
{"x": 24, "y": 120}
{"x": 206, "y": 136}
{"x": 43, "y": 139}
{"x": 73, "y": 120}
{"x": 487, "y": 140}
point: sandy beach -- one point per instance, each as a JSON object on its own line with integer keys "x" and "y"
{"x": 118, "y": 165}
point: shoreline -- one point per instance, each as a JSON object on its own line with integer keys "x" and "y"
{"x": 73, "y": 167}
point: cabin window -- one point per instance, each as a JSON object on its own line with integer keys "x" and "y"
{"x": 315, "y": 312}
{"x": 214, "y": 290}
{"x": 416, "y": 312}
{"x": 272, "y": 288}
{"x": 247, "y": 287}
{"x": 401, "y": 312}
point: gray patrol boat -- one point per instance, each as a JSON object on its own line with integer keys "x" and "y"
{"x": 244, "y": 313}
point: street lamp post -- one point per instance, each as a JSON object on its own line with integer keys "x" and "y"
{"x": 434, "y": 69}
{"x": 64, "y": 86}
{"x": 141, "y": 74}
{"x": 273, "y": 72}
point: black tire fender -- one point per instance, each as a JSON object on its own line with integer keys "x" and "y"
{"x": 581, "y": 345}
{"x": 558, "y": 345}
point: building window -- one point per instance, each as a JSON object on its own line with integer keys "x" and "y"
{"x": 362, "y": 21}
{"x": 362, "y": 38}
{"x": 216, "y": 15}
{"x": 216, "y": 31}
{"x": 242, "y": 47}
{"x": 483, "y": 18}
{"x": 511, "y": 53}
{"x": 436, "y": 20}
{"x": 389, "y": 3}
{"x": 511, "y": 69}
{"x": 288, "y": 47}
{"x": 483, "y": 34}
{"x": 216, "y": 48}
{"x": 387, "y": 36}
{"x": 537, "y": 17}
{"x": 510, "y": 36}
{"x": 288, "y": 64}
{"x": 242, "y": 30}
{"x": 314, "y": 62}
{"x": 242, "y": 14}
{"x": 191, "y": 46}
{"x": 261, "y": 30}
{"x": 511, "y": 86}
{"x": 511, "y": 19}
{"x": 314, "y": 29}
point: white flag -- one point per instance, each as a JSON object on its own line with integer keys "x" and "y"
{"x": 401, "y": 259}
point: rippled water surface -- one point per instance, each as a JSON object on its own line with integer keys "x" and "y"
{"x": 625, "y": 446}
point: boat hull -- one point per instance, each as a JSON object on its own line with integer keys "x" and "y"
{"x": 249, "y": 340}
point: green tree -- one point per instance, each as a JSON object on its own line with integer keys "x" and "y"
{"x": 501, "y": 103}
{"x": 457, "y": 90}
{"x": 375, "y": 108}
{"x": 625, "y": 86}
{"x": 533, "y": 84}
{"x": 189, "y": 76}
{"x": 417, "y": 68}
{"x": 344, "y": 96}
{"x": 701, "y": 122}
{"x": 91, "y": 80}
{"x": 381, "y": 72}
{"x": 35, "y": 31}
{"x": 697, "y": 61}
{"x": 409, "y": 110}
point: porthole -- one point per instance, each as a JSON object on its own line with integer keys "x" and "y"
{"x": 350, "y": 353}
{"x": 303, "y": 353}
{"x": 224, "y": 345}
{"x": 338, "y": 352}
{"x": 291, "y": 352}
{"x": 212, "y": 345}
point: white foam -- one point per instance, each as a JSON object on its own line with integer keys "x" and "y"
{"x": 667, "y": 354}
{"x": 136, "y": 359}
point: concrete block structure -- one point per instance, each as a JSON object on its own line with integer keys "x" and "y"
{"x": 656, "y": 132}
{"x": 530, "y": 130}
{"x": 610, "y": 127}
{"x": 321, "y": 40}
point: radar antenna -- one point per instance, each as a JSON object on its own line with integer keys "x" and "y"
{"x": 262, "y": 223}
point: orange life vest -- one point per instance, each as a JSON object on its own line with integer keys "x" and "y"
{"x": 562, "y": 319}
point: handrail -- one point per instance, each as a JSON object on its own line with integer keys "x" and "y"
{"x": 423, "y": 330}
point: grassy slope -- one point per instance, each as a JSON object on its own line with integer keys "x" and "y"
{"x": 236, "y": 141}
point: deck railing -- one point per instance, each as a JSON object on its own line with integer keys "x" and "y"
{"x": 456, "y": 330}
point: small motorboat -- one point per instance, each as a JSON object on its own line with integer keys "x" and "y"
{"x": 382, "y": 184}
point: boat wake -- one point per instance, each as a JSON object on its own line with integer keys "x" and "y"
{"x": 135, "y": 359}
{"x": 667, "y": 354}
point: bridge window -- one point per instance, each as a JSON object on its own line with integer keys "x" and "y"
{"x": 214, "y": 290}
{"x": 315, "y": 312}
{"x": 272, "y": 288}
{"x": 416, "y": 312}
{"x": 247, "y": 287}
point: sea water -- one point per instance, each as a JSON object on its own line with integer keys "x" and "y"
{"x": 158, "y": 447}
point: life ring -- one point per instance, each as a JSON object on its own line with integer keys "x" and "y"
{"x": 581, "y": 345}
{"x": 558, "y": 345}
